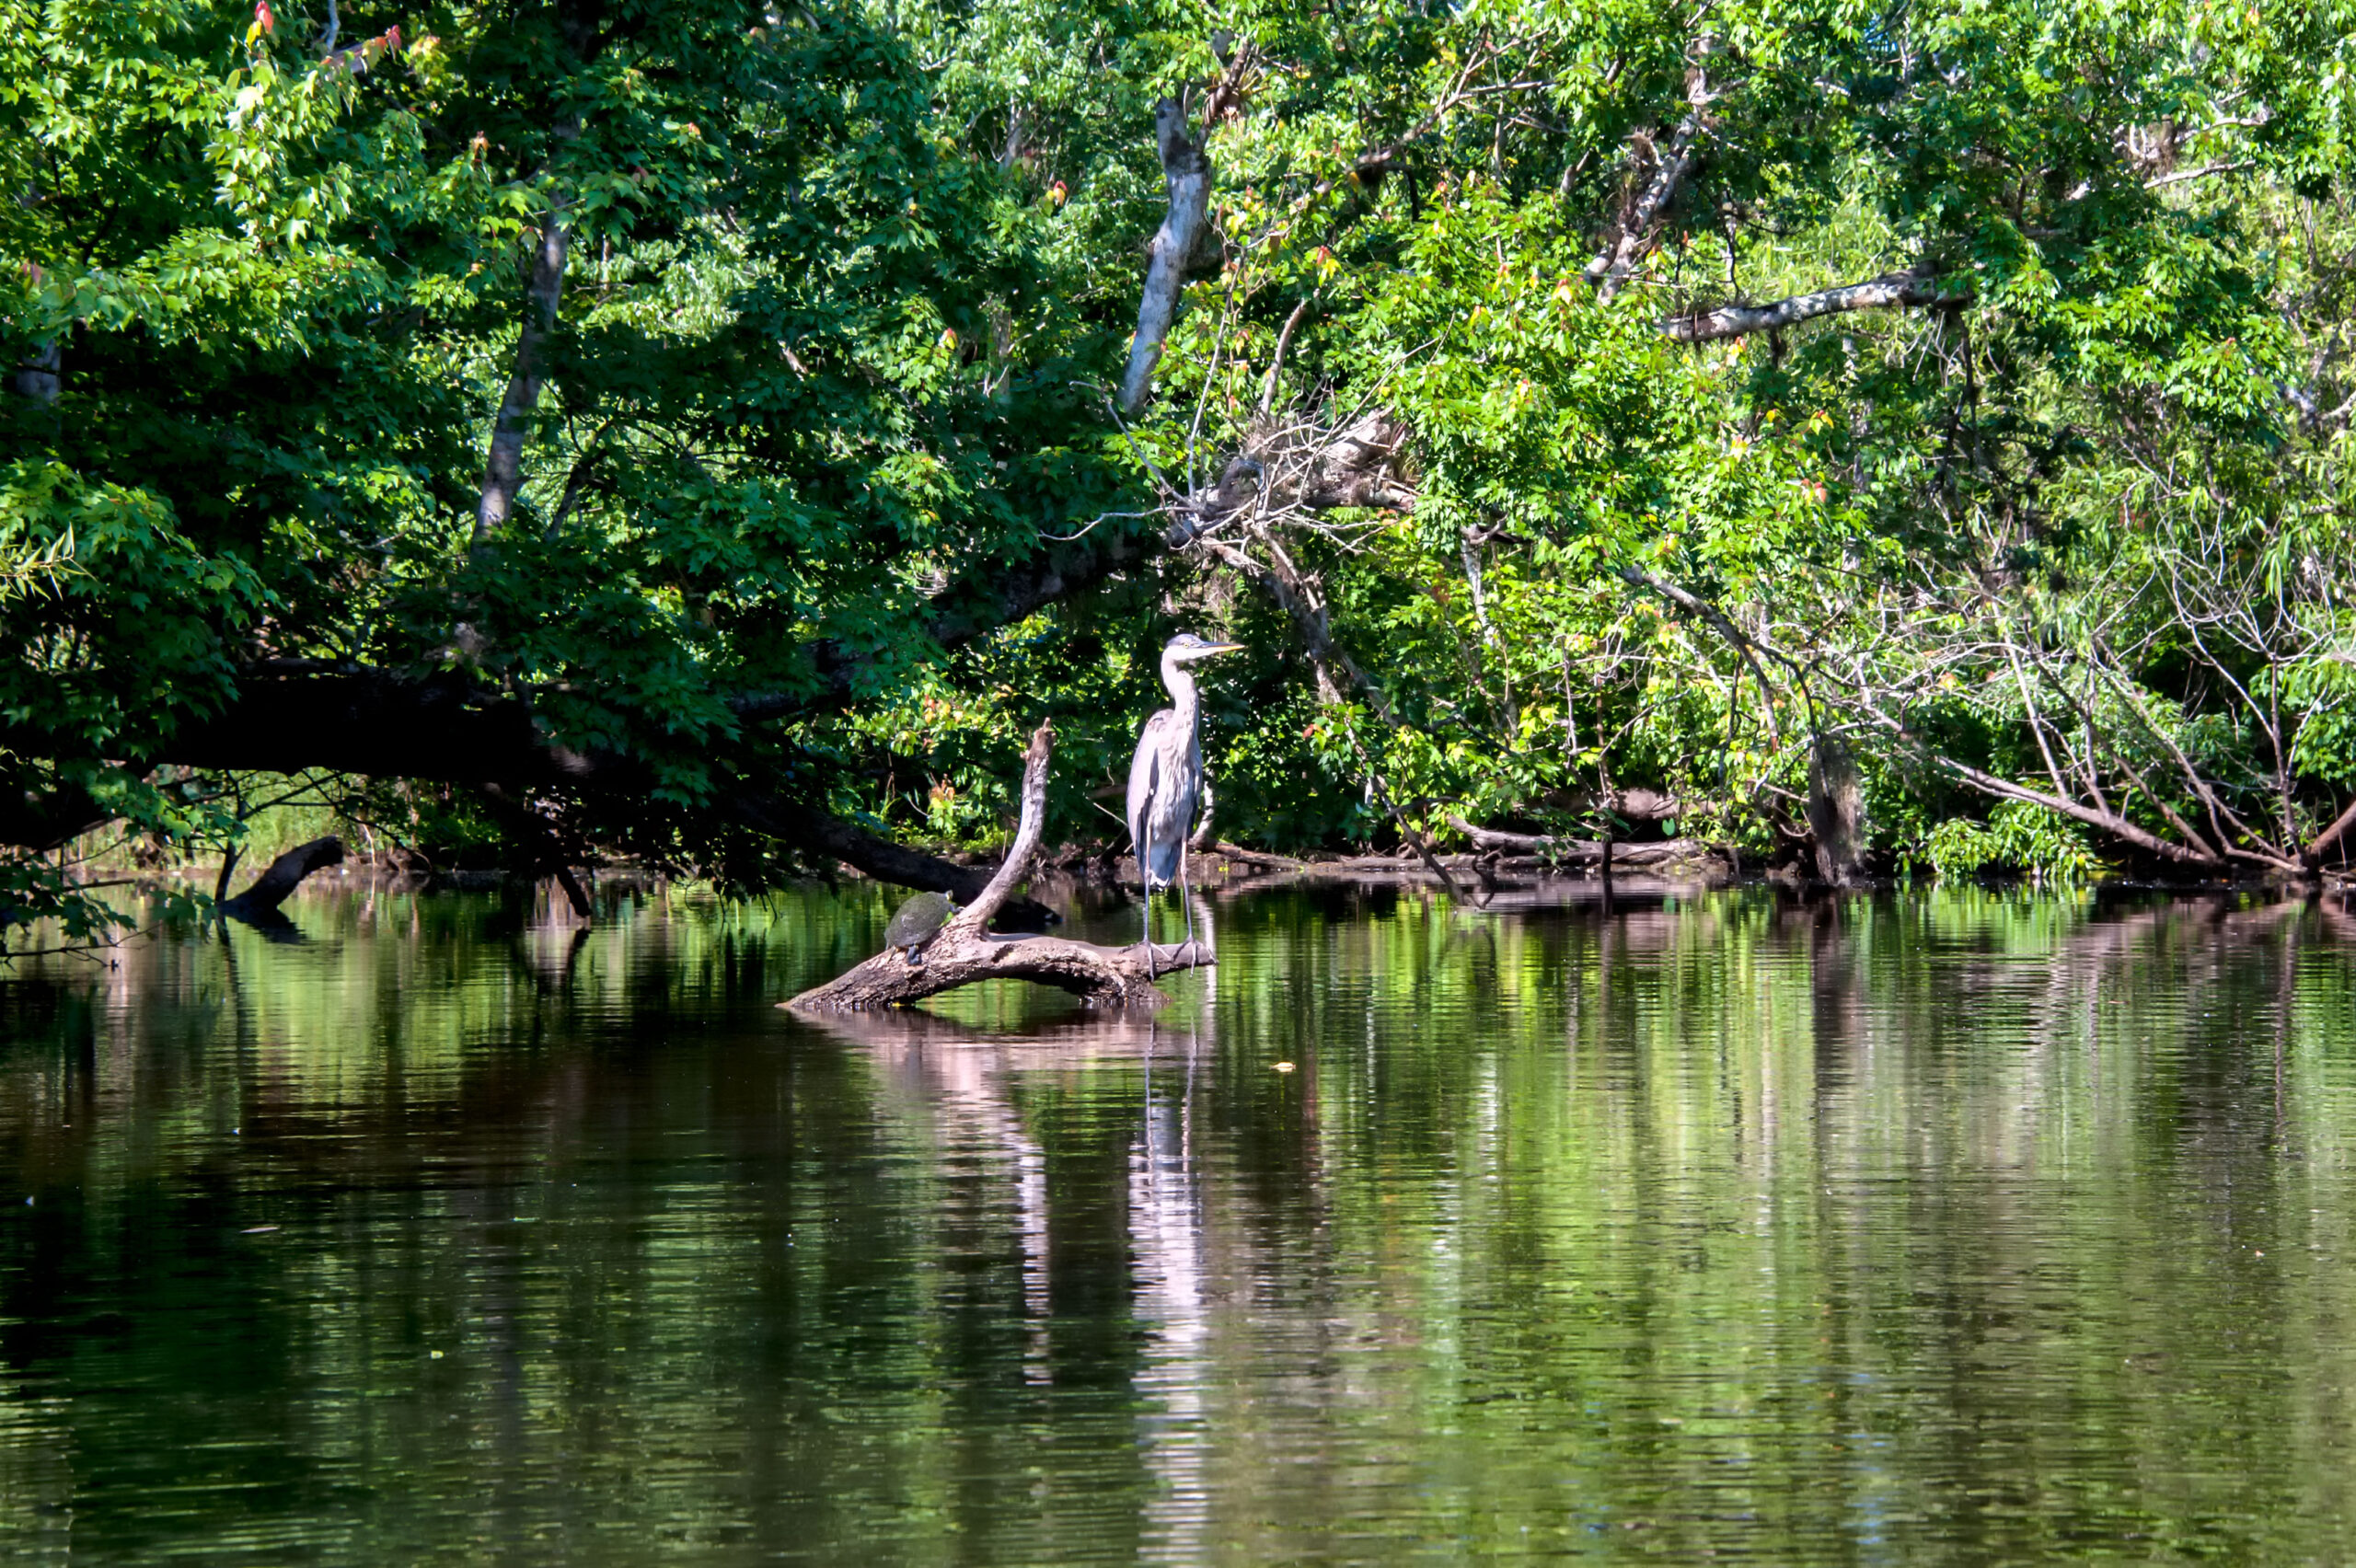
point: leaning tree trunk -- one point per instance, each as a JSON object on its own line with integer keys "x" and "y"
{"x": 965, "y": 952}
{"x": 272, "y": 889}
{"x": 502, "y": 477}
{"x": 1187, "y": 172}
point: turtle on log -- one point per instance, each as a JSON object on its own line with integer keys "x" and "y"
{"x": 917, "y": 921}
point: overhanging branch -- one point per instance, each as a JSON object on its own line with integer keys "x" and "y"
{"x": 2005, "y": 789}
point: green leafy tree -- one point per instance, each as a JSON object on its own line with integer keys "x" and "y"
{"x": 713, "y": 436}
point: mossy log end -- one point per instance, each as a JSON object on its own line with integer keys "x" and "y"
{"x": 966, "y": 950}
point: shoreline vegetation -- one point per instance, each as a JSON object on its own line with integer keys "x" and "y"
{"x": 1224, "y": 867}
{"x": 710, "y": 439}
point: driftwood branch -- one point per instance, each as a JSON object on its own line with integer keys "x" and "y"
{"x": 1890, "y": 291}
{"x": 1578, "y": 851}
{"x": 976, "y": 916}
{"x": 821, "y": 833}
{"x": 2005, "y": 789}
{"x": 965, "y": 952}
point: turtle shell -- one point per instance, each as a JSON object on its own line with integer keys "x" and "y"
{"x": 919, "y": 920}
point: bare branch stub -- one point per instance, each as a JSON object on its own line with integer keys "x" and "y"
{"x": 965, "y": 952}
{"x": 976, "y": 916}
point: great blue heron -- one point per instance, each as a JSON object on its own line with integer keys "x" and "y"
{"x": 1166, "y": 780}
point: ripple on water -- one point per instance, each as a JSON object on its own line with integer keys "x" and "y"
{"x": 1939, "y": 1227}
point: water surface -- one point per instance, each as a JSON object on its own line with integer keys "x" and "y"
{"x": 1949, "y": 1228}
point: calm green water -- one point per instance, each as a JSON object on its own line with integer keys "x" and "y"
{"x": 1947, "y": 1229}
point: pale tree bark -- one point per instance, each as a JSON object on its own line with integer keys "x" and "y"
{"x": 1609, "y": 268}
{"x": 544, "y": 288}
{"x": 1918, "y": 286}
{"x": 965, "y": 953}
{"x": 1186, "y": 173}
{"x": 1186, "y": 178}
{"x": 38, "y": 375}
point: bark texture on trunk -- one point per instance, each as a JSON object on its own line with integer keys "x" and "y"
{"x": 1609, "y": 269}
{"x": 1887, "y": 292}
{"x": 965, "y": 951}
{"x": 285, "y": 874}
{"x": 37, "y": 376}
{"x": 1836, "y": 811}
{"x": 1186, "y": 173}
{"x": 503, "y": 474}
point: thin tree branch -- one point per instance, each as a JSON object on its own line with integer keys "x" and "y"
{"x": 1890, "y": 291}
{"x": 1277, "y": 366}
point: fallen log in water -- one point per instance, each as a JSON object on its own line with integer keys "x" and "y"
{"x": 259, "y": 903}
{"x": 1582, "y": 852}
{"x": 965, "y": 952}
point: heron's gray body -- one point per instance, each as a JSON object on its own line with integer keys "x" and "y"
{"x": 1166, "y": 778}
{"x": 1165, "y": 786}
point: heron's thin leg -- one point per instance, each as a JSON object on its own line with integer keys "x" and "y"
{"x": 1186, "y": 895}
{"x": 1145, "y": 880}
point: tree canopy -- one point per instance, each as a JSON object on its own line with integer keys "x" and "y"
{"x": 715, "y": 433}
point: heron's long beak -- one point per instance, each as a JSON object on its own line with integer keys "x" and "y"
{"x": 1217, "y": 648}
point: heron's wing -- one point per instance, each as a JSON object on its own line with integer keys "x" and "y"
{"x": 1146, "y": 776}
{"x": 1161, "y": 796}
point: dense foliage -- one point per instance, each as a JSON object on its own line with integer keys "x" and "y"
{"x": 691, "y": 432}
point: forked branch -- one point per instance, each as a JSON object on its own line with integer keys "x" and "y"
{"x": 965, "y": 953}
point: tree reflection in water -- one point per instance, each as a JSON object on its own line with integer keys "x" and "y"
{"x": 1955, "y": 1227}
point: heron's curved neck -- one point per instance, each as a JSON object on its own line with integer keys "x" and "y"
{"x": 1181, "y": 683}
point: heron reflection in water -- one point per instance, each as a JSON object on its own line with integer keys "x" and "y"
{"x": 1166, "y": 781}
